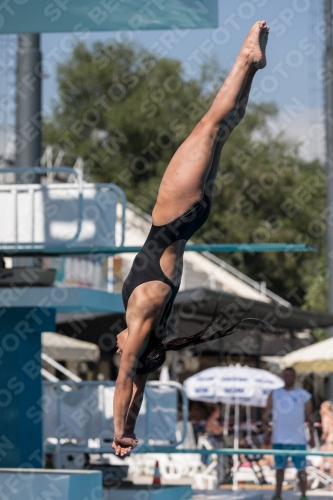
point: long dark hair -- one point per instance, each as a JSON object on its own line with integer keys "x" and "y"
{"x": 154, "y": 355}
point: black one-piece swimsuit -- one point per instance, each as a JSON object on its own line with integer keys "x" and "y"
{"x": 146, "y": 265}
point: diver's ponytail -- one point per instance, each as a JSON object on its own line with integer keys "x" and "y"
{"x": 154, "y": 355}
{"x": 201, "y": 337}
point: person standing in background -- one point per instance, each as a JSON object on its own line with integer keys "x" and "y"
{"x": 289, "y": 408}
{"x": 326, "y": 413}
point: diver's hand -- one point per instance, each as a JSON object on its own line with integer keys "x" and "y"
{"x": 124, "y": 444}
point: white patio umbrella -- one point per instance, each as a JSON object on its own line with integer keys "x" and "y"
{"x": 314, "y": 358}
{"x": 234, "y": 384}
{"x": 63, "y": 348}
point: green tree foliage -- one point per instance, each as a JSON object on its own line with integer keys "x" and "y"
{"x": 316, "y": 296}
{"x": 125, "y": 111}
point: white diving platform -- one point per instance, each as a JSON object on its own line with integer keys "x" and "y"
{"x": 34, "y": 484}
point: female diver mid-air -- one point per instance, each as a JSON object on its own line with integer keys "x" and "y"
{"x": 182, "y": 206}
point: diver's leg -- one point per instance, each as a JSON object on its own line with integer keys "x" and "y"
{"x": 184, "y": 180}
{"x": 240, "y": 113}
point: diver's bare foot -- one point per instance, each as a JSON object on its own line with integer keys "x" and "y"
{"x": 254, "y": 46}
{"x": 263, "y": 39}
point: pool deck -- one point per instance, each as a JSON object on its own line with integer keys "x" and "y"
{"x": 234, "y": 495}
{"x": 258, "y": 495}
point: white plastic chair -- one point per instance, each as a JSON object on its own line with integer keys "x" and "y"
{"x": 246, "y": 474}
{"x": 193, "y": 462}
{"x": 206, "y": 479}
{"x": 318, "y": 477}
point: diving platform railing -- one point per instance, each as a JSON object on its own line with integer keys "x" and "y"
{"x": 96, "y": 420}
{"x": 81, "y": 420}
{"x": 232, "y": 451}
{"x": 58, "y": 218}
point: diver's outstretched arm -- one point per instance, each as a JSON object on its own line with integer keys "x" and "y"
{"x": 139, "y": 385}
{"x": 124, "y": 442}
{"x": 141, "y": 320}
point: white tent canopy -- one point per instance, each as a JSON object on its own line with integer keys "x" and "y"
{"x": 315, "y": 358}
{"x": 62, "y": 348}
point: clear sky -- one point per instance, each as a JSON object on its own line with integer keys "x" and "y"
{"x": 295, "y": 57}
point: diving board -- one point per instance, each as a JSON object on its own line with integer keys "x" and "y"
{"x": 67, "y": 251}
{"x": 83, "y": 16}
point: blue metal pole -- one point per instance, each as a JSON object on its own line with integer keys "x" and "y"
{"x": 231, "y": 451}
{"x": 203, "y": 451}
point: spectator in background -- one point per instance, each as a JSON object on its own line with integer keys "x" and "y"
{"x": 197, "y": 415}
{"x": 214, "y": 428}
{"x": 213, "y": 421}
{"x": 289, "y": 408}
{"x": 267, "y": 459}
{"x": 257, "y": 438}
{"x": 326, "y": 413}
